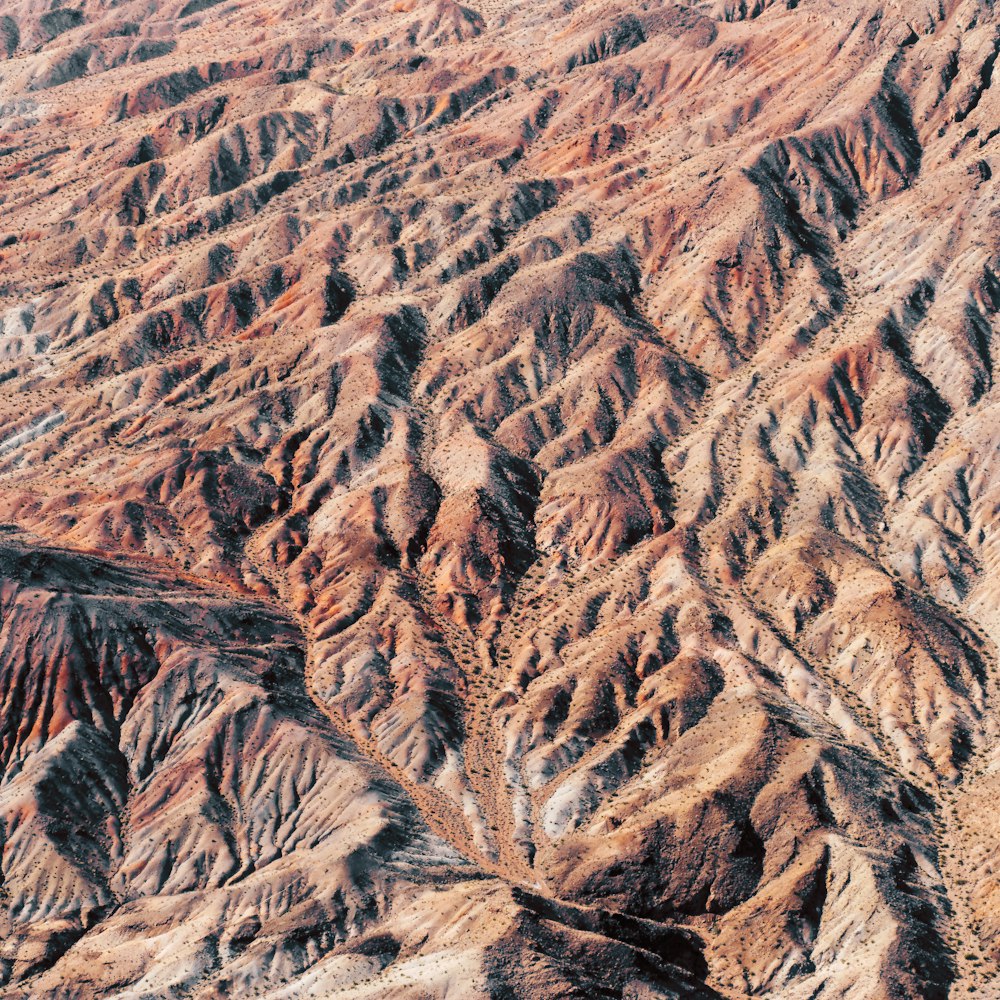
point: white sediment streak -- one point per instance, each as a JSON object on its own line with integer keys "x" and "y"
{"x": 38, "y": 428}
{"x": 18, "y": 337}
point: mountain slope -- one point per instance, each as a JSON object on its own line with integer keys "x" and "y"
{"x": 500, "y": 500}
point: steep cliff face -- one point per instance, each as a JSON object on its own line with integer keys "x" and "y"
{"x": 499, "y": 501}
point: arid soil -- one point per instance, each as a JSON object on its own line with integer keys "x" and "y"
{"x": 499, "y": 501}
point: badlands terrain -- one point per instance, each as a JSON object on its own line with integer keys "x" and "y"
{"x": 499, "y": 500}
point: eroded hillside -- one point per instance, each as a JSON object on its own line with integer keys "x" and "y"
{"x": 500, "y": 500}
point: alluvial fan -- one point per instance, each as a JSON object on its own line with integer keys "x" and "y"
{"x": 499, "y": 501}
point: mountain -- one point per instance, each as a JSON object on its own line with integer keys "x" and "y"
{"x": 499, "y": 501}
